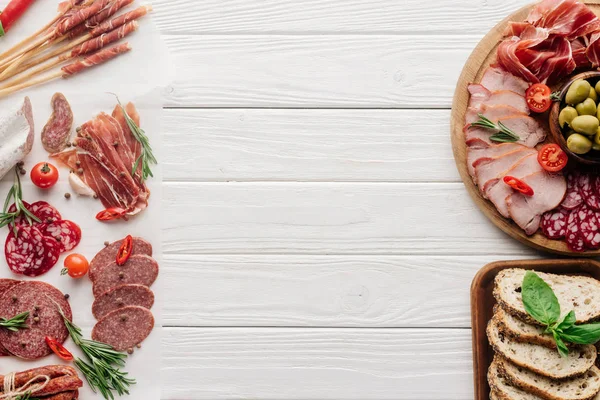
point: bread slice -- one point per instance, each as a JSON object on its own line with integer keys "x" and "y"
{"x": 540, "y": 359}
{"x": 502, "y": 389}
{"x": 578, "y": 293}
{"x": 584, "y": 387}
{"x": 521, "y": 331}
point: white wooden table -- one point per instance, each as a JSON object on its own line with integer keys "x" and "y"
{"x": 318, "y": 241}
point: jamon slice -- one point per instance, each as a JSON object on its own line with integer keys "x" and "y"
{"x": 492, "y": 168}
{"x": 110, "y": 127}
{"x": 482, "y": 96}
{"x": 497, "y": 191}
{"x": 528, "y": 129}
{"x": 526, "y": 211}
{"x": 496, "y": 78}
{"x": 491, "y": 112}
{"x": 488, "y": 151}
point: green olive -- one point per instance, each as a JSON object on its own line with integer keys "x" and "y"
{"x": 567, "y": 115}
{"x": 586, "y": 124}
{"x": 587, "y": 107}
{"x": 578, "y": 92}
{"x": 598, "y": 87}
{"x": 596, "y": 146}
{"x": 597, "y": 137}
{"x": 593, "y": 95}
{"x": 579, "y": 144}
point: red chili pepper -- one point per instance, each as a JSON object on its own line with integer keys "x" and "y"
{"x": 58, "y": 349}
{"x": 111, "y": 214}
{"x": 12, "y": 12}
{"x": 125, "y": 250}
{"x": 518, "y": 185}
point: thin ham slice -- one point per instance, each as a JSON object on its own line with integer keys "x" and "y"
{"x": 528, "y": 129}
{"x": 480, "y": 96}
{"x": 488, "y": 151}
{"x": 526, "y": 211}
{"x": 487, "y": 169}
{"x": 496, "y": 78}
{"x": 491, "y": 112}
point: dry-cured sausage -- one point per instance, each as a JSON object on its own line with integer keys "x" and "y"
{"x": 124, "y": 328}
{"x": 122, "y": 296}
{"x": 109, "y": 254}
{"x": 57, "y": 130}
{"x": 139, "y": 270}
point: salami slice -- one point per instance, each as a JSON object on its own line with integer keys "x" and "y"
{"x": 57, "y": 130}
{"x": 66, "y": 233}
{"x": 574, "y": 237}
{"x": 139, "y": 270}
{"x": 573, "y": 198}
{"x": 109, "y": 254}
{"x": 590, "y": 230}
{"x": 53, "y": 250}
{"x": 122, "y": 296}
{"x": 554, "y": 224}
{"x": 45, "y": 212}
{"x": 592, "y": 197}
{"x": 26, "y": 252}
{"x": 40, "y": 300}
{"x": 21, "y": 220}
{"x": 124, "y": 328}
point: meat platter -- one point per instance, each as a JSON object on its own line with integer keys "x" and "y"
{"x": 522, "y": 78}
{"x": 80, "y": 170}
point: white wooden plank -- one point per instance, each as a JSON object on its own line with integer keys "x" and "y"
{"x": 331, "y": 16}
{"x": 317, "y": 364}
{"x": 321, "y": 291}
{"x": 315, "y": 218}
{"x": 352, "y": 71}
{"x": 308, "y": 145}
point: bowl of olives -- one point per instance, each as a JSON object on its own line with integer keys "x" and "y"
{"x": 575, "y": 119}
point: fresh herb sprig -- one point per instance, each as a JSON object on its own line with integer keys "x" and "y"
{"x": 503, "y": 135}
{"x": 15, "y": 195}
{"x": 146, "y": 158}
{"x": 26, "y": 396}
{"x": 15, "y": 323}
{"x": 542, "y": 305}
{"x": 102, "y": 368}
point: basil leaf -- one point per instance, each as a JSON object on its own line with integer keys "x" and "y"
{"x": 563, "y": 350}
{"x": 539, "y": 300}
{"x": 582, "y": 334}
{"x": 567, "y": 321}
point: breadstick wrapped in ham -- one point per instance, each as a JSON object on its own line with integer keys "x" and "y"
{"x": 101, "y": 41}
{"x": 120, "y": 20}
{"x": 79, "y": 17}
{"x": 99, "y": 18}
{"x": 97, "y": 58}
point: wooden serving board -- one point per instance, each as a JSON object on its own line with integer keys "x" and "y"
{"x": 484, "y": 55}
{"x": 482, "y": 305}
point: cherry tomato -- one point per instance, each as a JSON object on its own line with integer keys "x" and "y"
{"x": 111, "y": 214}
{"x": 44, "y": 175}
{"x": 58, "y": 348}
{"x": 552, "y": 158}
{"x": 125, "y": 250}
{"x": 518, "y": 185}
{"x": 76, "y": 266}
{"x": 538, "y": 97}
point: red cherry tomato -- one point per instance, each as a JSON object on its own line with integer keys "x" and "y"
{"x": 58, "y": 349}
{"x": 76, "y": 266}
{"x": 552, "y": 158}
{"x": 44, "y": 175}
{"x": 538, "y": 97}
{"x": 518, "y": 185}
{"x": 111, "y": 214}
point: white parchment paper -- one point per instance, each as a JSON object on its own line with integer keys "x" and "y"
{"x": 141, "y": 76}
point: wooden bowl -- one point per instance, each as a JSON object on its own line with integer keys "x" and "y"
{"x": 591, "y": 159}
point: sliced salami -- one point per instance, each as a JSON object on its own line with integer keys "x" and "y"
{"x": 56, "y": 132}
{"x": 45, "y": 212}
{"x": 108, "y": 254}
{"x": 588, "y": 225}
{"x": 125, "y": 328}
{"x": 592, "y": 197}
{"x": 139, "y": 270}
{"x": 21, "y": 219}
{"x": 66, "y": 233}
{"x": 53, "y": 250}
{"x": 574, "y": 237}
{"x": 39, "y": 299}
{"x": 122, "y": 296}
{"x": 25, "y": 252}
{"x": 573, "y": 198}
{"x": 554, "y": 224}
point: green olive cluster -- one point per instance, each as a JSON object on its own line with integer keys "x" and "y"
{"x": 580, "y": 118}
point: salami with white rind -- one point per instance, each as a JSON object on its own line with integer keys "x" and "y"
{"x": 138, "y": 270}
{"x": 66, "y": 233}
{"x": 109, "y": 254}
{"x": 574, "y": 237}
{"x": 25, "y": 253}
{"x": 16, "y": 134}
{"x": 40, "y": 300}
{"x": 124, "y": 328}
{"x": 122, "y": 296}
{"x": 554, "y": 224}
{"x": 55, "y": 134}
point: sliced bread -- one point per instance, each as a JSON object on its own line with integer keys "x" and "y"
{"x": 578, "y": 293}
{"x": 584, "y": 387}
{"x": 540, "y": 359}
{"x": 502, "y": 389}
{"x": 521, "y": 331}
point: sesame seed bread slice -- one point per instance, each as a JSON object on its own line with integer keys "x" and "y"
{"x": 540, "y": 359}
{"x": 502, "y": 389}
{"x": 521, "y": 331}
{"x": 584, "y": 387}
{"x": 578, "y": 293}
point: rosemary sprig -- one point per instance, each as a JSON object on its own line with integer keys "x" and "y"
{"x": 504, "y": 134}
{"x": 16, "y": 195}
{"x": 26, "y": 396}
{"x": 102, "y": 368}
{"x": 15, "y": 323}
{"x": 146, "y": 158}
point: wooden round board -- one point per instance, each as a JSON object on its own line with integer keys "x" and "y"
{"x": 484, "y": 55}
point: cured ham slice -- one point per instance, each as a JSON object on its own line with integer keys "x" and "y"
{"x": 489, "y": 151}
{"x": 97, "y": 58}
{"x": 529, "y": 130}
{"x": 497, "y": 191}
{"x": 495, "y": 78}
{"x": 491, "y": 112}
{"x": 568, "y": 18}
{"x": 480, "y": 96}
{"x": 487, "y": 169}
{"x": 527, "y": 211}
